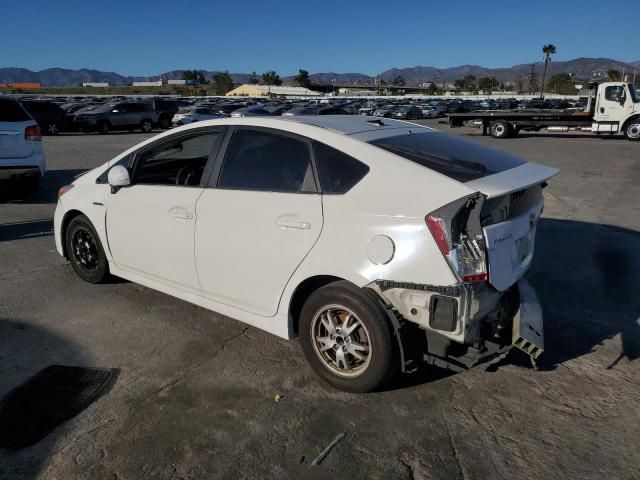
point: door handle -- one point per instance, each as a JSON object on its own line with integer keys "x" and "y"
{"x": 181, "y": 213}
{"x": 292, "y": 224}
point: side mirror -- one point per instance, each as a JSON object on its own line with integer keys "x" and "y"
{"x": 118, "y": 177}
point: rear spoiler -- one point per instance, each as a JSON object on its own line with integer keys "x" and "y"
{"x": 512, "y": 180}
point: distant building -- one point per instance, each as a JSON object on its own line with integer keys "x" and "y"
{"x": 248, "y": 90}
{"x": 176, "y": 82}
{"x": 20, "y": 85}
{"x": 157, "y": 83}
{"x": 95, "y": 84}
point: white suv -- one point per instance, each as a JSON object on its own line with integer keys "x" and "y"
{"x": 22, "y": 159}
{"x": 379, "y": 242}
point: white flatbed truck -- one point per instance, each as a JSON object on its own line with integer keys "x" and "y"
{"x": 612, "y": 107}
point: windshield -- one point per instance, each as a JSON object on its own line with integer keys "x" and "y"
{"x": 451, "y": 156}
{"x": 635, "y": 96}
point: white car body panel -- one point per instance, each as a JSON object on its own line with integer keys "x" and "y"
{"x": 148, "y": 224}
{"x": 256, "y": 285}
{"x": 277, "y": 230}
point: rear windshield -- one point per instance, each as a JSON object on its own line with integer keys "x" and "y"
{"x": 449, "y": 155}
{"x": 12, "y": 111}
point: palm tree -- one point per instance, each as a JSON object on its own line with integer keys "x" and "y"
{"x": 548, "y": 50}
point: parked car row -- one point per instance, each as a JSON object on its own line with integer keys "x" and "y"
{"x": 93, "y": 114}
{"x": 55, "y": 115}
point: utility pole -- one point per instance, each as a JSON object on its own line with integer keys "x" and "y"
{"x": 532, "y": 79}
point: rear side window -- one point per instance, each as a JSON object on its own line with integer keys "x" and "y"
{"x": 338, "y": 171}
{"x": 449, "y": 155}
{"x": 261, "y": 160}
{"x": 12, "y": 111}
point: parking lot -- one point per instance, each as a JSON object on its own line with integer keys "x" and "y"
{"x": 195, "y": 392}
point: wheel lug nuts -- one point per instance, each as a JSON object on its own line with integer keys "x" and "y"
{"x": 344, "y": 348}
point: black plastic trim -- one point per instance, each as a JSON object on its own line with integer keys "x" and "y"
{"x": 451, "y": 291}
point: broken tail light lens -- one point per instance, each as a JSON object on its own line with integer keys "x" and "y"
{"x": 463, "y": 248}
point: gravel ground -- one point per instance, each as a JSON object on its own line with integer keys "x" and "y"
{"x": 194, "y": 397}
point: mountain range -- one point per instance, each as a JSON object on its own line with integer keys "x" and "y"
{"x": 582, "y": 68}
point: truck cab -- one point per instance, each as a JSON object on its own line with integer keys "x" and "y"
{"x": 617, "y": 109}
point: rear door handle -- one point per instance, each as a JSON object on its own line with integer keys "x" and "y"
{"x": 288, "y": 222}
{"x": 181, "y": 213}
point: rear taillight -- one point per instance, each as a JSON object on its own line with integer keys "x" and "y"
{"x": 457, "y": 232}
{"x": 33, "y": 133}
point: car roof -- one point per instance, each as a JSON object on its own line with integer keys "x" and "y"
{"x": 349, "y": 124}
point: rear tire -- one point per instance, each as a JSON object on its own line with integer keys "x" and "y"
{"x": 500, "y": 129}
{"x": 632, "y": 130}
{"x": 85, "y": 252}
{"x": 347, "y": 339}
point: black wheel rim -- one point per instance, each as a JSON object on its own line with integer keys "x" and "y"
{"x": 84, "y": 249}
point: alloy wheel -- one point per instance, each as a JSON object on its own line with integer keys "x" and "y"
{"x": 341, "y": 341}
{"x": 85, "y": 250}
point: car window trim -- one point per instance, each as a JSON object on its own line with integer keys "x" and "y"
{"x": 134, "y": 163}
{"x": 217, "y": 170}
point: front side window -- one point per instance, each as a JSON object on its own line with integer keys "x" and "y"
{"x": 635, "y": 96}
{"x": 179, "y": 161}
{"x": 261, "y": 160}
{"x": 338, "y": 171}
{"x": 615, "y": 94}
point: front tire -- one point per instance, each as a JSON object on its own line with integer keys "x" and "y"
{"x": 346, "y": 338}
{"x": 85, "y": 252}
{"x": 146, "y": 126}
{"x": 632, "y": 130}
{"x": 52, "y": 128}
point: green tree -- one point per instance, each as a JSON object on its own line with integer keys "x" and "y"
{"x": 614, "y": 75}
{"x": 548, "y": 50}
{"x": 222, "y": 83}
{"x": 194, "y": 77}
{"x": 466, "y": 84}
{"x": 254, "y": 79}
{"x": 271, "y": 78}
{"x": 302, "y": 79}
{"x": 561, "y": 83}
{"x": 433, "y": 89}
{"x": 487, "y": 84}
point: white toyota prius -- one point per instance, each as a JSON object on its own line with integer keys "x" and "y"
{"x": 380, "y": 243}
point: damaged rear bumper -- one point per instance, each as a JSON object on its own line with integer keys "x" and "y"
{"x": 484, "y": 323}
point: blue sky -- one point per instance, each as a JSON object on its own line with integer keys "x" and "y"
{"x": 141, "y": 37}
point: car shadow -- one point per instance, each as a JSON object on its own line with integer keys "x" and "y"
{"x": 587, "y": 277}
{"x": 28, "y": 352}
{"x": 23, "y": 230}
{"x": 47, "y": 190}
